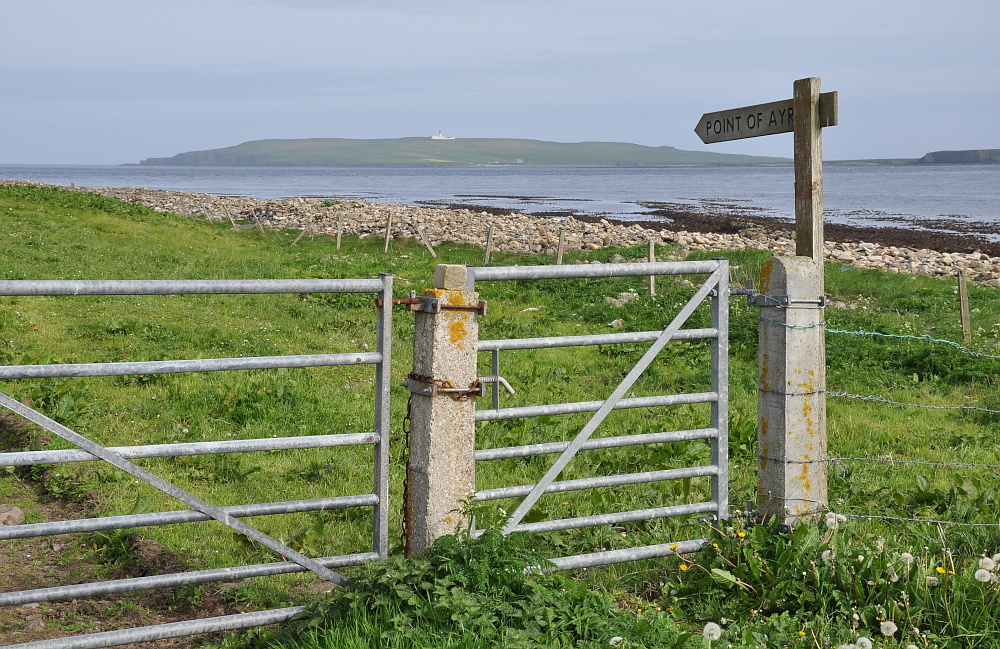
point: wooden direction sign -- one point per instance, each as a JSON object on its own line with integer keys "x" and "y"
{"x": 804, "y": 115}
{"x": 761, "y": 119}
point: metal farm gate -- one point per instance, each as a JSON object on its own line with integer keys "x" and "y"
{"x": 200, "y": 510}
{"x": 716, "y": 289}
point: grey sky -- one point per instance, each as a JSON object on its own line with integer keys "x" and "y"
{"x": 115, "y": 81}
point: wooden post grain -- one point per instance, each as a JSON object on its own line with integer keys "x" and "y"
{"x": 560, "y": 248}
{"x": 808, "y": 147}
{"x": 340, "y": 230}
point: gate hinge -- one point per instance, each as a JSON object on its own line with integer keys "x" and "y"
{"x": 431, "y": 387}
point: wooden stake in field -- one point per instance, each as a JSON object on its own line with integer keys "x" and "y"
{"x": 388, "y": 234}
{"x": 652, "y": 278}
{"x": 340, "y": 230}
{"x": 489, "y": 246}
{"x": 560, "y": 248}
{"x": 963, "y": 301}
{"x": 420, "y": 234}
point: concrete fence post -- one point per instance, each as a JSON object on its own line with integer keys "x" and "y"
{"x": 440, "y": 473}
{"x": 791, "y": 430}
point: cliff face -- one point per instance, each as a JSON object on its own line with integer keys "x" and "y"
{"x": 972, "y": 157}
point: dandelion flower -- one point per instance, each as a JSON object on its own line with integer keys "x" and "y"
{"x": 888, "y": 628}
{"x": 863, "y": 643}
{"x": 906, "y": 558}
{"x": 983, "y": 575}
{"x": 616, "y": 641}
{"x": 831, "y": 520}
{"x": 996, "y": 558}
{"x": 712, "y": 631}
{"x": 847, "y": 646}
{"x": 827, "y": 556}
{"x": 932, "y": 580}
{"x": 741, "y": 534}
{"x": 684, "y": 567}
{"x": 986, "y": 563}
{"x": 912, "y": 646}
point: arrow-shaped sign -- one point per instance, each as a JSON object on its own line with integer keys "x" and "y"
{"x": 761, "y": 119}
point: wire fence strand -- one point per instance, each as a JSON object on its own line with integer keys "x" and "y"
{"x": 877, "y": 334}
{"x": 878, "y": 399}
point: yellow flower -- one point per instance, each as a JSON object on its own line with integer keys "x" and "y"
{"x": 741, "y": 534}
{"x": 940, "y": 570}
{"x": 674, "y": 546}
{"x": 801, "y": 633}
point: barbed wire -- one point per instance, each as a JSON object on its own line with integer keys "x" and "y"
{"x": 932, "y": 521}
{"x": 924, "y": 338}
{"x": 821, "y": 323}
{"x": 825, "y": 508}
{"x": 879, "y": 459}
{"x": 903, "y": 403}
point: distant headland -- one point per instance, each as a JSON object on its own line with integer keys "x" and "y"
{"x": 971, "y": 157}
{"x": 441, "y": 150}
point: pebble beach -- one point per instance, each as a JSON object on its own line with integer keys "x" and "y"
{"x": 519, "y": 233}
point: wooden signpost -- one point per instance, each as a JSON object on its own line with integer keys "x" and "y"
{"x": 804, "y": 115}
{"x": 791, "y": 410}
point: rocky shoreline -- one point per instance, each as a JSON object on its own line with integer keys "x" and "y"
{"x": 518, "y": 233}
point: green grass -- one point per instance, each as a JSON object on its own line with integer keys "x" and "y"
{"x": 54, "y": 234}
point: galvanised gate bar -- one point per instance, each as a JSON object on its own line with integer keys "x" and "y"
{"x": 715, "y": 288}
{"x": 200, "y": 510}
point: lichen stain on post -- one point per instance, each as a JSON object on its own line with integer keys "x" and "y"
{"x": 765, "y": 276}
{"x": 457, "y": 332}
{"x": 765, "y": 384}
{"x": 804, "y": 479}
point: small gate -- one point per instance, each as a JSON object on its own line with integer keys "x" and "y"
{"x": 714, "y": 288}
{"x": 200, "y": 510}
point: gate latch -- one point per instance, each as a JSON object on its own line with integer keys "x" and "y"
{"x": 431, "y": 387}
{"x": 759, "y": 299}
{"x": 428, "y": 304}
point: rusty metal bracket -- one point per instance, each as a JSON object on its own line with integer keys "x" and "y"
{"x": 428, "y": 304}
{"x": 431, "y": 387}
{"x": 759, "y": 299}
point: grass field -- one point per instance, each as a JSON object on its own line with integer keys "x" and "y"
{"x": 821, "y": 586}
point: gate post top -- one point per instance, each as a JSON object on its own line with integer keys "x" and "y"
{"x": 796, "y": 277}
{"x": 451, "y": 276}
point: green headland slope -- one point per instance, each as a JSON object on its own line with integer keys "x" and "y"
{"x": 420, "y": 151}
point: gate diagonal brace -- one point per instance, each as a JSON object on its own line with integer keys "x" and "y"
{"x": 428, "y": 304}
{"x": 151, "y": 479}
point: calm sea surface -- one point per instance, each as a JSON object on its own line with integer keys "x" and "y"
{"x": 945, "y": 198}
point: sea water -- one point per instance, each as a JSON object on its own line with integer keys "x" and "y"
{"x": 933, "y": 197}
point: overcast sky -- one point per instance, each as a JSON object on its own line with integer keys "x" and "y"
{"x": 116, "y": 81}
